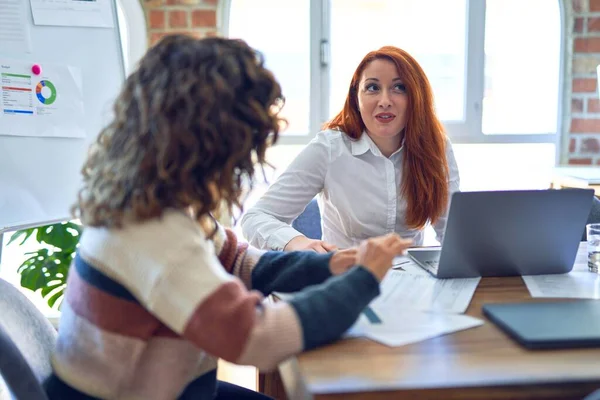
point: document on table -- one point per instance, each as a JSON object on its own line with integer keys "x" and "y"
{"x": 398, "y": 327}
{"x": 577, "y": 284}
{"x": 409, "y": 287}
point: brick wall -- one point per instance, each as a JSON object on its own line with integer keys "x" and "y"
{"x": 581, "y": 115}
{"x": 196, "y": 17}
{"x": 582, "y": 124}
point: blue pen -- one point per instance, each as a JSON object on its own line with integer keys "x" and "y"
{"x": 371, "y": 315}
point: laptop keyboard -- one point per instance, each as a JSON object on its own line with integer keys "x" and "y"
{"x": 431, "y": 266}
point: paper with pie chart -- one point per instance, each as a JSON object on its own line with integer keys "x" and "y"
{"x": 46, "y": 105}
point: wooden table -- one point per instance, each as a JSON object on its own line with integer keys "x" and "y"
{"x": 478, "y": 363}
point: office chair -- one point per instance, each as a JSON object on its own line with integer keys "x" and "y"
{"x": 595, "y": 395}
{"x": 308, "y": 222}
{"x": 26, "y": 342}
{"x": 593, "y": 217}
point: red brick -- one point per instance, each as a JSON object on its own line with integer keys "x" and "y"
{"x": 178, "y": 19}
{"x": 572, "y": 145}
{"x": 587, "y": 45}
{"x": 577, "y": 105}
{"x": 578, "y": 25}
{"x": 183, "y": 2}
{"x": 156, "y": 19}
{"x": 594, "y": 5}
{"x": 580, "y": 161}
{"x": 148, "y": 4}
{"x": 593, "y": 24}
{"x": 590, "y": 145}
{"x": 580, "y": 125}
{"x": 579, "y": 6}
{"x": 156, "y": 36}
{"x": 581, "y": 85}
{"x": 593, "y": 106}
{"x": 211, "y": 2}
{"x": 204, "y": 18}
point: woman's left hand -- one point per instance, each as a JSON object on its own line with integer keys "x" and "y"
{"x": 342, "y": 261}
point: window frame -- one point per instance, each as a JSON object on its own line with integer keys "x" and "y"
{"x": 133, "y": 32}
{"x": 468, "y": 131}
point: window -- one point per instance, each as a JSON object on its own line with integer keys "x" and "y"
{"x": 400, "y": 23}
{"x": 521, "y": 67}
{"x": 495, "y": 79}
{"x": 284, "y": 43}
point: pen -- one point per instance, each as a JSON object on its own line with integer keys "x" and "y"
{"x": 371, "y": 315}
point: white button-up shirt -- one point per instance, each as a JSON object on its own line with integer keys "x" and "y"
{"x": 359, "y": 194}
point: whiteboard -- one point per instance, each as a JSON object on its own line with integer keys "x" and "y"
{"x": 40, "y": 176}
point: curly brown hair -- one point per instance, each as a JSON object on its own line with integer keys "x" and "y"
{"x": 190, "y": 123}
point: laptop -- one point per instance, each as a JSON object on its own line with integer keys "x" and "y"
{"x": 550, "y": 325}
{"x": 509, "y": 233}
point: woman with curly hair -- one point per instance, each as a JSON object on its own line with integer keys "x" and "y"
{"x": 158, "y": 290}
{"x": 383, "y": 164}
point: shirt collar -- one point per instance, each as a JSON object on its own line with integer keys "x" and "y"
{"x": 365, "y": 143}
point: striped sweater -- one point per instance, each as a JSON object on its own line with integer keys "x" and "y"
{"x": 150, "y": 307}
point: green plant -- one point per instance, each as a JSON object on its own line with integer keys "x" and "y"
{"x": 47, "y": 268}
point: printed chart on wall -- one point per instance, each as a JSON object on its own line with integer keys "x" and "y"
{"x": 93, "y": 13}
{"x": 46, "y": 105}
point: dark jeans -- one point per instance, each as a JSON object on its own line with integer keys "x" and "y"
{"x": 227, "y": 391}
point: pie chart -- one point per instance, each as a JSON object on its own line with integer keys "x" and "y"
{"x": 45, "y": 92}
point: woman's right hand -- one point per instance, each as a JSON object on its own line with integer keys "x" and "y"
{"x": 376, "y": 254}
{"x": 302, "y": 243}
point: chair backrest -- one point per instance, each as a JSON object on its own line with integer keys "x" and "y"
{"x": 16, "y": 373}
{"x": 593, "y": 217}
{"x": 27, "y": 337}
{"x": 595, "y": 395}
{"x": 309, "y": 222}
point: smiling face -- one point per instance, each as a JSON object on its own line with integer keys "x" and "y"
{"x": 382, "y": 101}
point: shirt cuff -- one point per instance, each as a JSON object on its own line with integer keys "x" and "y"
{"x": 281, "y": 237}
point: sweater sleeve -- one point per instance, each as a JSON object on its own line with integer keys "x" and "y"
{"x": 273, "y": 270}
{"x": 170, "y": 267}
{"x": 198, "y": 299}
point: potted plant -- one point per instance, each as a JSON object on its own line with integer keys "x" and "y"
{"x": 47, "y": 268}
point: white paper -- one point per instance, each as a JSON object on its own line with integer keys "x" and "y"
{"x": 14, "y": 28}
{"x": 577, "y": 284}
{"x": 93, "y": 13}
{"x": 48, "y": 105}
{"x": 400, "y": 327}
{"x": 409, "y": 287}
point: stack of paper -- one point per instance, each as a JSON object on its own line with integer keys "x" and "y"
{"x": 409, "y": 286}
{"x": 414, "y": 306}
{"x": 577, "y": 284}
{"x": 398, "y": 327}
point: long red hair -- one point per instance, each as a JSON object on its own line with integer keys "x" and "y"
{"x": 425, "y": 167}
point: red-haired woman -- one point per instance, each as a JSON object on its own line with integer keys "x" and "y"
{"x": 383, "y": 164}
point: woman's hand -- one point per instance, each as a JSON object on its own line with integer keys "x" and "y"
{"x": 376, "y": 254}
{"x": 300, "y": 243}
{"x": 343, "y": 260}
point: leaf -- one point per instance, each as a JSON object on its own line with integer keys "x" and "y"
{"x": 62, "y": 236}
{"x": 48, "y": 289}
{"x": 55, "y": 297}
{"x": 24, "y": 232}
{"x": 46, "y": 269}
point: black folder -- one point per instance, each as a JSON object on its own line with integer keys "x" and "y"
{"x": 549, "y": 325}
